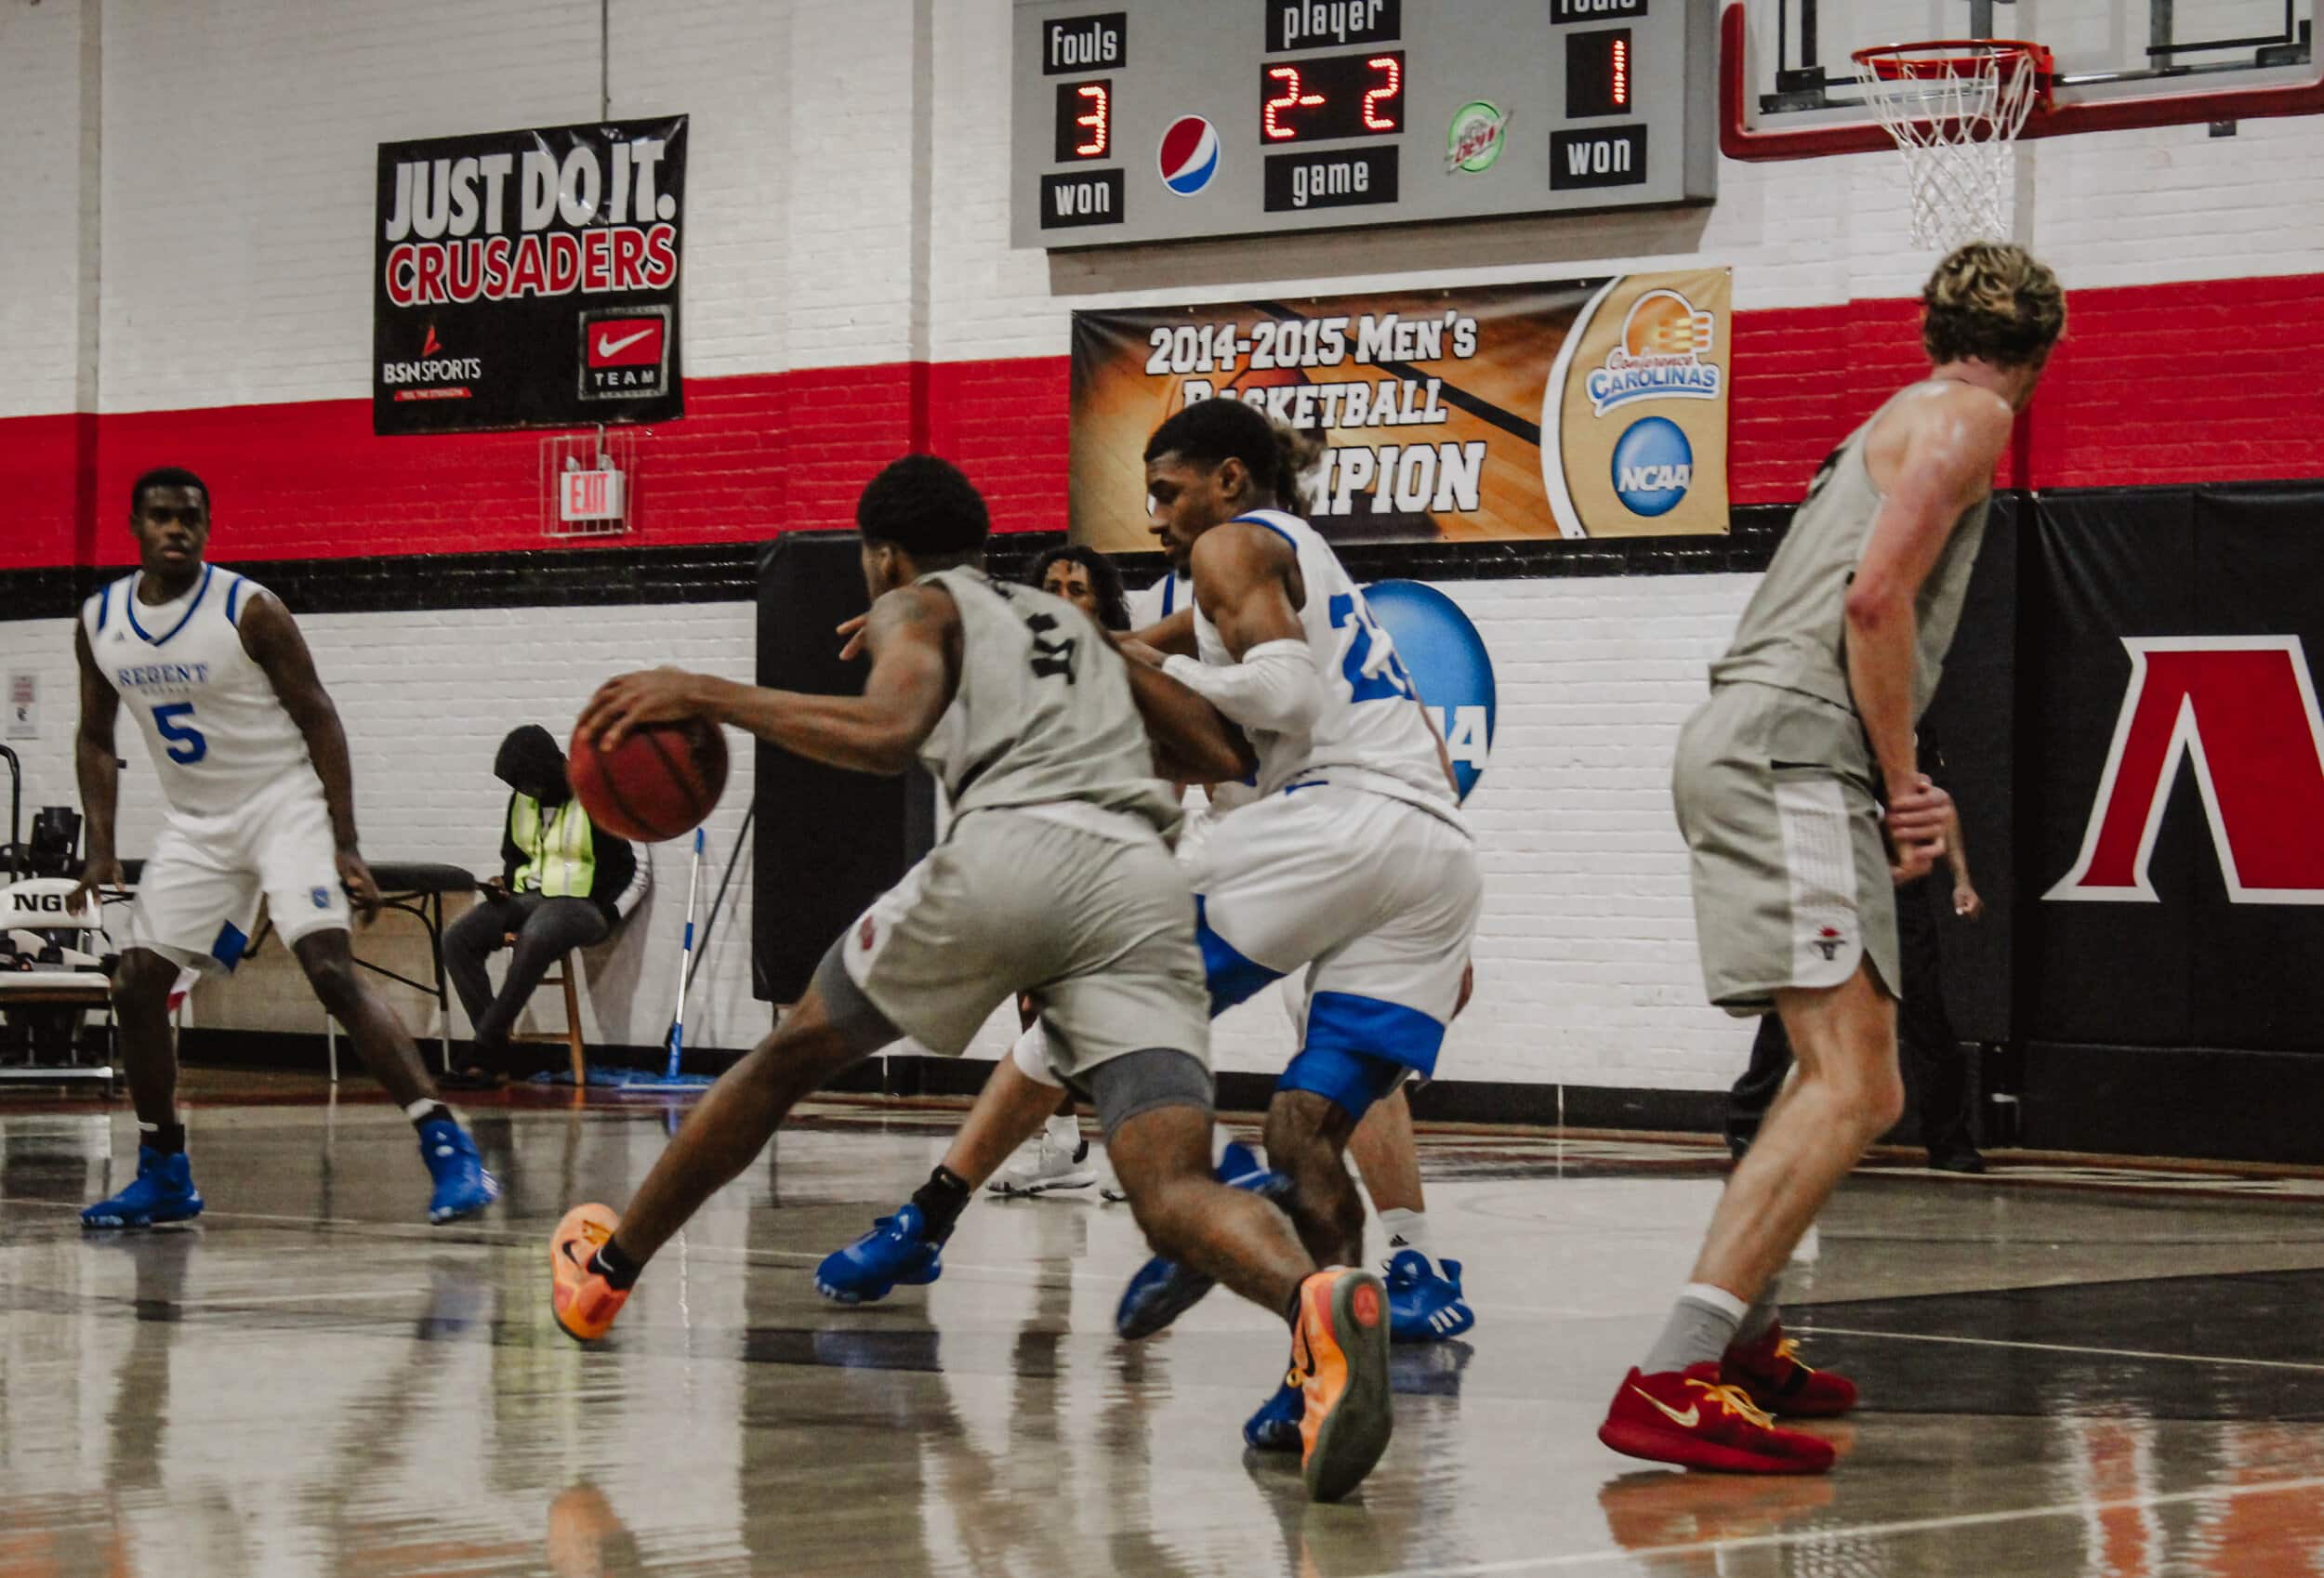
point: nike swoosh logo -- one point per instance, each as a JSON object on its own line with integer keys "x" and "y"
{"x": 607, "y": 346}
{"x": 1685, "y": 1421}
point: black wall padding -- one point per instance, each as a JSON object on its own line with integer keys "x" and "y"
{"x": 828, "y": 841}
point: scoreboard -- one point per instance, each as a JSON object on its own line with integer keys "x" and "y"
{"x": 1166, "y": 120}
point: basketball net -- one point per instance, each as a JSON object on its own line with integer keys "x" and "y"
{"x": 1955, "y": 107}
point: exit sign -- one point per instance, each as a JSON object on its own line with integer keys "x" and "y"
{"x": 590, "y": 495}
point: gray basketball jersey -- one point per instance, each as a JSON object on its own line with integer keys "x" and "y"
{"x": 1043, "y": 714}
{"x": 1794, "y": 633}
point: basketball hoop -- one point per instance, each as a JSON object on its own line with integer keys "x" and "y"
{"x": 1955, "y": 107}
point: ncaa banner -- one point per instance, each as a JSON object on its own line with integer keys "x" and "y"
{"x": 1449, "y": 665}
{"x": 1587, "y": 408}
{"x": 528, "y": 279}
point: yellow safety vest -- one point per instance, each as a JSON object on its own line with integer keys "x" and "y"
{"x": 559, "y": 859}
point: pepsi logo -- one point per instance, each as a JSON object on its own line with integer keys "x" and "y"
{"x": 1653, "y": 466}
{"x": 1189, "y": 155}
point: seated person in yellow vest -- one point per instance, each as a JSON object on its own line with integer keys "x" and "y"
{"x": 564, "y": 884}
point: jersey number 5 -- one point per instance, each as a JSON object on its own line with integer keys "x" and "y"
{"x": 186, "y": 745}
{"x": 1369, "y": 665}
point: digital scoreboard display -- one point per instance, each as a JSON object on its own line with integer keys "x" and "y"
{"x": 1168, "y": 119}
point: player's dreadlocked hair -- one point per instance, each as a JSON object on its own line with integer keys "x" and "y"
{"x": 1106, "y": 582}
{"x": 1210, "y": 431}
{"x": 1995, "y": 302}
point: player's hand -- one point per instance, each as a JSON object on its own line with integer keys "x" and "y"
{"x": 852, "y": 648}
{"x": 1468, "y": 987}
{"x": 1139, "y": 652}
{"x": 1915, "y": 822}
{"x": 361, "y": 890}
{"x": 1966, "y": 902}
{"x": 98, "y": 873}
{"x": 653, "y": 695}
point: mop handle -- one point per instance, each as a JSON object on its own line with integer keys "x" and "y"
{"x": 685, "y": 956}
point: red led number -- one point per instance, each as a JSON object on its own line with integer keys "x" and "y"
{"x": 1097, "y": 118}
{"x": 1621, "y": 72}
{"x": 1293, "y": 100}
{"x": 1391, "y": 86}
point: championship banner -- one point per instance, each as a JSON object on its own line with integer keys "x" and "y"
{"x": 1589, "y": 408}
{"x": 528, "y": 279}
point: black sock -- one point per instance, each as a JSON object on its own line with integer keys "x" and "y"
{"x": 167, "y": 1138}
{"x": 941, "y": 1200}
{"x": 616, "y": 1268}
{"x": 435, "y": 1112}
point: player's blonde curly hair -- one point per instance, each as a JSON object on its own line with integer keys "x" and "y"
{"x": 1994, "y": 302}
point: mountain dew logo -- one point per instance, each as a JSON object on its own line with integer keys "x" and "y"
{"x": 1479, "y": 131}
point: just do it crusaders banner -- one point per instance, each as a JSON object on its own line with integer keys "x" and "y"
{"x": 528, "y": 279}
{"x": 1589, "y": 408}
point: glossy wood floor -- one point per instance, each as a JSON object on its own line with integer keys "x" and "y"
{"x": 2067, "y": 1371}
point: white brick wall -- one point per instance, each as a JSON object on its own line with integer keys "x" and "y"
{"x": 424, "y": 699}
{"x": 41, "y": 264}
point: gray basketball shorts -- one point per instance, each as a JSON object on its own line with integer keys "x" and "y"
{"x": 1100, "y": 930}
{"x": 1789, "y": 871}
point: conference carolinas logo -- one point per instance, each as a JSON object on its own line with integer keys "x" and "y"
{"x": 1660, "y": 355}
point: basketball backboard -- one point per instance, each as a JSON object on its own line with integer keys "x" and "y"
{"x": 1788, "y": 88}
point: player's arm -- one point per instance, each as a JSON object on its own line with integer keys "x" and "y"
{"x": 1946, "y": 462}
{"x": 1242, "y": 582}
{"x": 98, "y": 770}
{"x": 913, "y": 636}
{"x": 271, "y": 638}
{"x": 1967, "y": 903}
{"x": 1173, "y": 635}
{"x": 1192, "y": 742}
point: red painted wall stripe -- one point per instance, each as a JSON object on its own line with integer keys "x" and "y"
{"x": 2155, "y": 384}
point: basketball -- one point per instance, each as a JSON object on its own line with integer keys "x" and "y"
{"x": 658, "y": 784}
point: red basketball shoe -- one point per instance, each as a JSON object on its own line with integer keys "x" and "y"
{"x": 1689, "y": 1417}
{"x": 1768, "y": 1368}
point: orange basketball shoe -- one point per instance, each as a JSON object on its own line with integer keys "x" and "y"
{"x": 1689, "y": 1417}
{"x": 584, "y": 1302}
{"x": 1768, "y": 1368}
{"x": 1339, "y": 1355}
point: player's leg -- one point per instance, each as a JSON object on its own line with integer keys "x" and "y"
{"x": 1424, "y": 1297}
{"x": 1056, "y": 1156}
{"x": 1792, "y": 904}
{"x": 162, "y": 1190}
{"x": 460, "y": 1186}
{"x": 196, "y": 906}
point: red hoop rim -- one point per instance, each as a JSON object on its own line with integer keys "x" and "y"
{"x": 1887, "y": 60}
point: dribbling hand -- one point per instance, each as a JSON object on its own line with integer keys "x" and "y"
{"x": 653, "y": 695}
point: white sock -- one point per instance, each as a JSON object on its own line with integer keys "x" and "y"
{"x": 1406, "y": 1229}
{"x": 1064, "y": 1130}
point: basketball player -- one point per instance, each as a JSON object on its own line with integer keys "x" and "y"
{"x": 1058, "y": 1157}
{"x": 1055, "y": 879}
{"x": 1802, "y": 804}
{"x": 254, "y": 767}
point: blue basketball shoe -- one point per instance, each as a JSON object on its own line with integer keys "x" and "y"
{"x": 897, "y": 1250}
{"x": 1422, "y": 1305}
{"x": 1162, "y": 1290}
{"x": 1276, "y": 1428}
{"x": 463, "y": 1187}
{"x": 162, "y": 1191}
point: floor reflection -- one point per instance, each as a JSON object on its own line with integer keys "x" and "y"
{"x": 2059, "y": 1378}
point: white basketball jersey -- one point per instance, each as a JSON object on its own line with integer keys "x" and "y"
{"x": 1372, "y": 733}
{"x": 1160, "y": 600}
{"x": 216, "y": 731}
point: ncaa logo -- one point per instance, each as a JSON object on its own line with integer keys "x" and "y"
{"x": 1654, "y": 465}
{"x": 1442, "y": 652}
{"x": 1189, "y": 155}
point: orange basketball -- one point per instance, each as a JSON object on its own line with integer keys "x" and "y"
{"x": 659, "y": 783}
